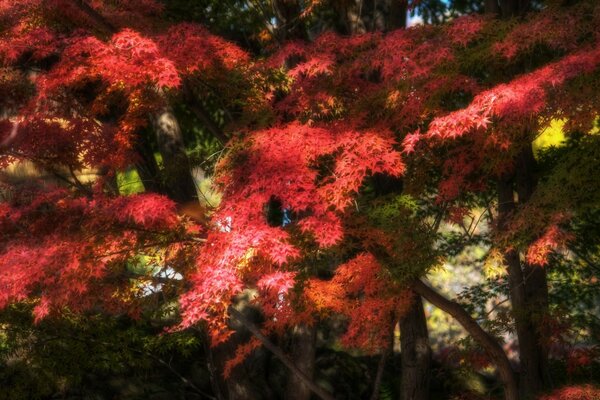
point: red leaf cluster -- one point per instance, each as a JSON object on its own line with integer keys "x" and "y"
{"x": 370, "y": 300}
{"x": 71, "y": 251}
{"x": 584, "y": 392}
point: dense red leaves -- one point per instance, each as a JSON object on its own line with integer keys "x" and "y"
{"x": 585, "y": 392}
{"x": 464, "y": 30}
{"x": 377, "y": 81}
{"x": 350, "y": 76}
{"x": 362, "y": 291}
{"x": 279, "y": 302}
{"x": 193, "y": 49}
{"x": 460, "y": 172}
{"x": 72, "y": 251}
{"x": 314, "y": 172}
{"x": 554, "y": 238}
{"x": 92, "y": 77}
{"x": 567, "y": 33}
{"x": 55, "y": 142}
{"x": 23, "y": 32}
{"x": 500, "y": 120}
{"x": 149, "y": 210}
{"x": 277, "y": 282}
{"x": 129, "y": 63}
{"x": 522, "y": 99}
{"x": 213, "y": 291}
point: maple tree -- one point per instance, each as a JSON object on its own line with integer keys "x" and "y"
{"x": 343, "y": 156}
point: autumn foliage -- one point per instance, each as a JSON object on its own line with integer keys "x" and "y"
{"x": 316, "y": 124}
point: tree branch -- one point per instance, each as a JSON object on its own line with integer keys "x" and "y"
{"x": 320, "y": 392}
{"x": 487, "y": 342}
{"x": 95, "y": 16}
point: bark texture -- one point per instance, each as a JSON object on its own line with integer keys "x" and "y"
{"x": 290, "y": 24}
{"x": 360, "y": 16}
{"x": 178, "y": 178}
{"x": 528, "y": 283}
{"x": 489, "y": 344}
{"x": 303, "y": 353}
{"x": 415, "y": 353}
{"x": 317, "y": 390}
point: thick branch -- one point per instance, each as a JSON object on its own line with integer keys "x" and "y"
{"x": 11, "y": 136}
{"x": 485, "y": 340}
{"x": 320, "y": 392}
{"x": 95, "y": 16}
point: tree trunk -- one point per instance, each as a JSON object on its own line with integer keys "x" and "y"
{"x": 529, "y": 377}
{"x": 416, "y": 353}
{"x": 360, "y": 16}
{"x": 536, "y": 291}
{"x": 396, "y": 14}
{"x": 239, "y": 384}
{"x": 513, "y": 8}
{"x": 485, "y": 340}
{"x": 536, "y": 282}
{"x": 178, "y": 177}
{"x": 380, "y": 369}
{"x": 290, "y": 24}
{"x": 351, "y": 13}
{"x": 303, "y": 353}
{"x": 528, "y": 285}
{"x": 146, "y": 165}
{"x": 179, "y": 186}
{"x": 317, "y": 390}
{"x": 491, "y": 7}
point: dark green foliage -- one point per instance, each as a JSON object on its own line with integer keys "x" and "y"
{"x": 96, "y": 357}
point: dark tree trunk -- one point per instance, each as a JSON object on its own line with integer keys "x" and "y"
{"x": 528, "y": 284}
{"x": 491, "y": 7}
{"x": 396, "y": 14}
{"x": 146, "y": 165}
{"x": 416, "y": 353}
{"x": 484, "y": 339}
{"x": 110, "y": 180}
{"x": 277, "y": 352}
{"x": 291, "y": 26}
{"x": 179, "y": 186}
{"x": 178, "y": 178}
{"x": 380, "y": 369}
{"x": 360, "y": 16}
{"x": 516, "y": 282}
{"x": 245, "y": 380}
{"x": 514, "y": 8}
{"x": 536, "y": 282}
{"x": 351, "y": 16}
{"x": 239, "y": 384}
{"x": 536, "y": 291}
{"x": 303, "y": 353}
